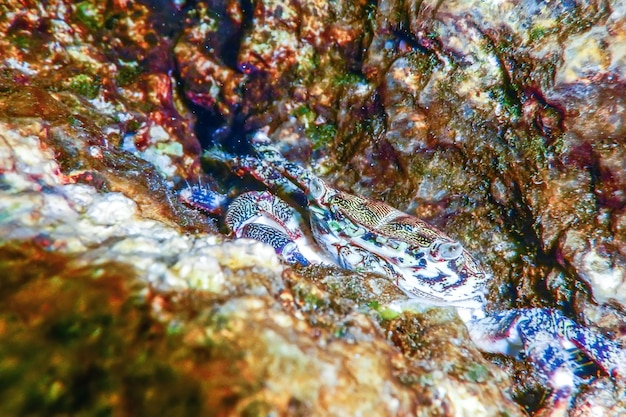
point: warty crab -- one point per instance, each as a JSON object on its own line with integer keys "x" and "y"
{"x": 360, "y": 234}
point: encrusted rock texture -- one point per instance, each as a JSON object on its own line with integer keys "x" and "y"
{"x": 503, "y": 123}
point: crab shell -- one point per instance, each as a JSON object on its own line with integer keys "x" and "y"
{"x": 362, "y": 234}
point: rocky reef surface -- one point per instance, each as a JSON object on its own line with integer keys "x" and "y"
{"x": 503, "y": 123}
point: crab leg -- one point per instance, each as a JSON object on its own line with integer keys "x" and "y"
{"x": 269, "y": 167}
{"x": 260, "y": 169}
{"x": 551, "y": 341}
{"x": 263, "y": 146}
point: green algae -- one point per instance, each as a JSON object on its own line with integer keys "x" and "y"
{"x": 127, "y": 73}
{"x": 507, "y": 95}
{"x": 85, "y": 85}
{"x": 321, "y": 135}
{"x": 477, "y": 373}
{"x": 88, "y": 14}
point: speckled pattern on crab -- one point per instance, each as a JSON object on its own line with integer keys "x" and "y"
{"x": 364, "y": 235}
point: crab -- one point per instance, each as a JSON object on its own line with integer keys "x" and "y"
{"x": 361, "y": 234}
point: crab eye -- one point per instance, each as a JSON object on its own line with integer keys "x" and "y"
{"x": 445, "y": 250}
{"x": 317, "y": 189}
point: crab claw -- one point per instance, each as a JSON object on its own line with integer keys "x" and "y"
{"x": 282, "y": 244}
{"x": 291, "y": 253}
